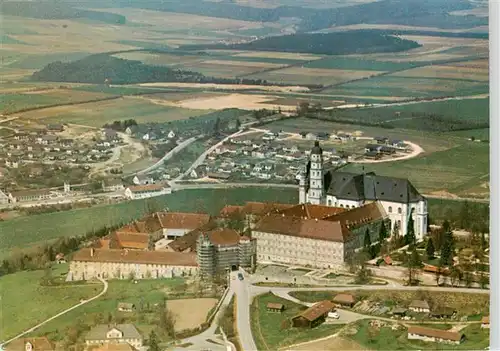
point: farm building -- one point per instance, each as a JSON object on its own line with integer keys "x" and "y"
{"x": 146, "y": 191}
{"x": 112, "y": 185}
{"x": 435, "y": 335}
{"x": 419, "y": 306}
{"x": 399, "y": 311}
{"x": 275, "y": 307}
{"x": 314, "y": 315}
{"x": 115, "y": 347}
{"x": 345, "y": 300}
{"x": 443, "y": 312}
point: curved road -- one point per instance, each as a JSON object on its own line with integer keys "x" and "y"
{"x": 105, "y": 288}
{"x": 245, "y": 292}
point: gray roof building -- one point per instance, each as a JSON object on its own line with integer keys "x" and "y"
{"x": 101, "y": 331}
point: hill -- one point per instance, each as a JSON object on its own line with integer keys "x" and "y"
{"x": 97, "y": 68}
{"x": 339, "y": 43}
{"x": 57, "y": 10}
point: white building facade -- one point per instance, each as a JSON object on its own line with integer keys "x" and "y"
{"x": 398, "y": 197}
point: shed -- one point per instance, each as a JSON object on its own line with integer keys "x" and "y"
{"x": 399, "y": 311}
{"x": 126, "y": 307}
{"x": 314, "y": 315}
{"x": 388, "y": 260}
{"x": 346, "y": 300}
{"x": 275, "y": 307}
{"x": 443, "y": 312}
{"x": 485, "y": 322}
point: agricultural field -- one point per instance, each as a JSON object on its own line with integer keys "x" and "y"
{"x": 35, "y": 230}
{"x": 439, "y": 170}
{"x": 418, "y": 87}
{"x": 52, "y": 96}
{"x": 272, "y": 331}
{"x": 198, "y": 312}
{"x": 41, "y": 301}
{"x": 300, "y": 75}
{"x": 97, "y": 114}
{"x": 446, "y": 72}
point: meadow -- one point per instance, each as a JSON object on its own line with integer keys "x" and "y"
{"x": 35, "y": 230}
{"x": 96, "y": 114}
{"x": 10, "y": 103}
{"x": 25, "y": 307}
{"x": 268, "y": 330}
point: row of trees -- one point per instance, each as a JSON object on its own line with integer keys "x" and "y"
{"x": 120, "y": 126}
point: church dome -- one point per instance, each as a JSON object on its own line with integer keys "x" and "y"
{"x": 316, "y": 150}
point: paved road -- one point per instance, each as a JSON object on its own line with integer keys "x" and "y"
{"x": 169, "y": 155}
{"x": 243, "y": 300}
{"x": 105, "y": 288}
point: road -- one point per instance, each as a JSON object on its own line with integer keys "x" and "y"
{"x": 105, "y": 288}
{"x": 169, "y": 155}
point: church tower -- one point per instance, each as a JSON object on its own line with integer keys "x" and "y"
{"x": 316, "y": 186}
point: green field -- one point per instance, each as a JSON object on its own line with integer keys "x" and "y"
{"x": 34, "y": 230}
{"x": 267, "y": 328}
{"x": 387, "y": 339}
{"x": 146, "y": 291}
{"x": 96, "y": 114}
{"x": 455, "y": 170}
{"x": 409, "y": 87}
{"x": 351, "y": 63}
{"x": 25, "y": 303}
{"x": 33, "y": 61}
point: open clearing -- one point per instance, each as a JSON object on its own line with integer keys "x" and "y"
{"x": 98, "y": 113}
{"x": 241, "y": 101}
{"x": 449, "y": 72}
{"x": 190, "y": 313}
{"x": 274, "y": 88}
{"x": 330, "y": 344}
{"x": 302, "y": 75}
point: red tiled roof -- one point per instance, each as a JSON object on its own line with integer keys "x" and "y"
{"x": 317, "y": 310}
{"x": 229, "y": 210}
{"x": 311, "y": 211}
{"x": 435, "y": 333}
{"x": 179, "y": 220}
{"x": 263, "y": 208}
{"x": 485, "y": 320}
{"x": 132, "y": 256}
{"x": 138, "y": 241}
{"x": 146, "y": 188}
{"x": 359, "y": 215}
{"x": 224, "y": 237}
{"x": 39, "y": 344}
{"x": 188, "y": 240}
{"x": 344, "y": 298}
{"x": 305, "y": 228}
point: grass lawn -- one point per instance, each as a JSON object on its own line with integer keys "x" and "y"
{"x": 437, "y": 326}
{"x": 37, "y": 229}
{"x": 266, "y": 326}
{"x": 387, "y": 339}
{"x": 26, "y": 303}
{"x": 465, "y": 304}
{"x": 149, "y": 292}
{"x": 98, "y": 113}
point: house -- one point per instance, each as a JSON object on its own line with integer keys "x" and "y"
{"x": 345, "y": 300}
{"x": 443, "y": 312}
{"x": 146, "y": 191}
{"x": 323, "y": 136}
{"x": 275, "y": 307}
{"x": 31, "y": 344}
{"x": 109, "y": 134}
{"x": 311, "y": 136}
{"x": 314, "y": 315}
{"x": 126, "y": 307}
{"x": 485, "y": 322}
{"x": 131, "y": 130}
{"x": 142, "y": 179}
{"x": 381, "y": 140}
{"x": 220, "y": 176}
{"x": 372, "y": 155}
{"x": 112, "y": 185}
{"x": 420, "y": 306}
{"x": 29, "y": 195}
{"x": 388, "y": 260}
{"x": 176, "y": 224}
{"x": 399, "y": 311}
{"x": 55, "y": 127}
{"x": 171, "y": 134}
{"x": 117, "y": 333}
{"x": 434, "y": 335}
{"x": 373, "y": 148}
{"x": 303, "y": 135}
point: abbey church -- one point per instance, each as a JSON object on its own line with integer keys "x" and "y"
{"x": 398, "y": 197}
